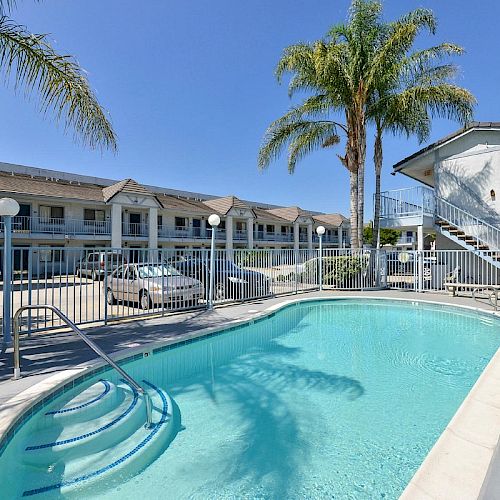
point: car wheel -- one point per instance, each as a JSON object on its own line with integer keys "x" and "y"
{"x": 95, "y": 276}
{"x": 220, "y": 291}
{"x": 110, "y": 297}
{"x": 145, "y": 301}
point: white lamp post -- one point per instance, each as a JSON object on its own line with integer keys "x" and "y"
{"x": 8, "y": 209}
{"x": 320, "y": 231}
{"x": 214, "y": 221}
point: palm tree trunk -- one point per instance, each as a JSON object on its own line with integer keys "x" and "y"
{"x": 377, "y": 160}
{"x": 361, "y": 181}
{"x": 353, "y": 192}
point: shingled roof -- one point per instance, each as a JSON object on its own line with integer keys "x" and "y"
{"x": 25, "y": 184}
{"x": 266, "y": 215}
{"x": 183, "y": 204}
{"x": 331, "y": 219}
{"x": 290, "y": 214}
{"x": 224, "y": 205}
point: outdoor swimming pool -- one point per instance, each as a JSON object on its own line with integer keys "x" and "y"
{"x": 338, "y": 398}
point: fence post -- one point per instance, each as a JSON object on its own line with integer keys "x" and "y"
{"x": 105, "y": 285}
{"x": 7, "y": 280}
{"x": 420, "y": 270}
{"x": 30, "y": 285}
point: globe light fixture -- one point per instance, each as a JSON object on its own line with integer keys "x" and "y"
{"x": 214, "y": 220}
{"x": 320, "y": 230}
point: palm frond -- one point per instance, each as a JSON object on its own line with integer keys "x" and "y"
{"x": 59, "y": 82}
{"x": 312, "y": 136}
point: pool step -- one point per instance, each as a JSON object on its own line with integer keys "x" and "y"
{"x": 123, "y": 448}
{"x": 92, "y": 403}
{"x": 77, "y": 439}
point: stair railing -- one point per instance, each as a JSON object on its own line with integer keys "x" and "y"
{"x": 17, "y": 359}
{"x": 472, "y": 226}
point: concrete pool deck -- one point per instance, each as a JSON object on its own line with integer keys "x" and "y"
{"x": 455, "y": 468}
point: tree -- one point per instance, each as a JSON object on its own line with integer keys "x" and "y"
{"x": 335, "y": 72}
{"x": 387, "y": 236}
{"x": 29, "y": 62}
{"x": 417, "y": 88}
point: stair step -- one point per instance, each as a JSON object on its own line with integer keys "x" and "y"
{"x": 93, "y": 472}
{"x": 76, "y": 439}
{"x": 92, "y": 403}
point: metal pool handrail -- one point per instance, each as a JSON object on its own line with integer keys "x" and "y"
{"x": 94, "y": 347}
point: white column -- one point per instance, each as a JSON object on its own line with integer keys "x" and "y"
{"x": 153, "y": 228}
{"x": 420, "y": 238}
{"x": 116, "y": 225}
{"x": 296, "y": 241}
{"x": 310, "y": 236}
{"x": 229, "y": 236}
{"x": 250, "y": 232}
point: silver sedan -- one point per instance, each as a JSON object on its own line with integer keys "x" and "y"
{"x": 151, "y": 285}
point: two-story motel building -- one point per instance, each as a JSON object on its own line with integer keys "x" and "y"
{"x": 60, "y": 209}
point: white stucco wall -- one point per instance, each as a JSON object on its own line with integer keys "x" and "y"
{"x": 465, "y": 172}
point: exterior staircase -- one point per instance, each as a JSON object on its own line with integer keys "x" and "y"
{"x": 468, "y": 231}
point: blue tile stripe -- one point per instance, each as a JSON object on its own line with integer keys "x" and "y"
{"x": 107, "y": 388}
{"x": 93, "y": 433}
{"x": 164, "y": 413}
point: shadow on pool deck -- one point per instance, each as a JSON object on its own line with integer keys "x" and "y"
{"x": 47, "y": 352}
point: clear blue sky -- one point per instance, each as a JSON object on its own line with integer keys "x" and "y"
{"x": 190, "y": 89}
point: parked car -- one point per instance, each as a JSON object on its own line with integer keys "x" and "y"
{"x": 231, "y": 281}
{"x": 95, "y": 264}
{"x": 152, "y": 285}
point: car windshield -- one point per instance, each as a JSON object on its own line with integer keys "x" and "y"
{"x": 155, "y": 271}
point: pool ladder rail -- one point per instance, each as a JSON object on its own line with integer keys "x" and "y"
{"x": 17, "y": 359}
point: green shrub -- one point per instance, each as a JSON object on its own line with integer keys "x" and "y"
{"x": 336, "y": 270}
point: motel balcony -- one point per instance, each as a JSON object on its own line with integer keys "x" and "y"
{"x": 135, "y": 229}
{"x": 410, "y": 207}
{"x": 49, "y": 226}
{"x": 281, "y": 237}
{"x": 189, "y": 233}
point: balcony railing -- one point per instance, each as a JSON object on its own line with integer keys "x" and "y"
{"x": 415, "y": 201}
{"x": 240, "y": 235}
{"x": 406, "y": 240}
{"x": 44, "y": 225}
{"x": 263, "y": 236}
{"x": 135, "y": 229}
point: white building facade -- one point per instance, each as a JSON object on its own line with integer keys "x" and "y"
{"x": 60, "y": 209}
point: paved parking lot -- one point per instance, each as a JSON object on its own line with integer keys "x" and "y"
{"x": 83, "y": 300}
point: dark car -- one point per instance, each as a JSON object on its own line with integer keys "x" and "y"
{"x": 95, "y": 264}
{"x": 231, "y": 281}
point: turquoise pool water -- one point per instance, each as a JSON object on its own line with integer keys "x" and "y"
{"x": 330, "y": 399}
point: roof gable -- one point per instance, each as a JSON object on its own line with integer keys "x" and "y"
{"x": 226, "y": 204}
{"x": 127, "y": 186}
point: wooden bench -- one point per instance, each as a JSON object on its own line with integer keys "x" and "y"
{"x": 453, "y": 287}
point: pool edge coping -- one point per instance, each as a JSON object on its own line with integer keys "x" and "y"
{"x": 442, "y": 474}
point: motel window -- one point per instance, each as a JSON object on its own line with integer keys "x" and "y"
{"x": 269, "y": 228}
{"x": 89, "y": 214}
{"x": 47, "y": 212}
{"x": 241, "y": 226}
{"x": 180, "y": 222}
{"x": 283, "y": 229}
{"x": 160, "y": 220}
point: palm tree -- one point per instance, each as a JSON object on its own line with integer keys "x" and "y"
{"x": 328, "y": 69}
{"x": 343, "y": 72}
{"x": 417, "y": 88}
{"x": 29, "y": 62}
